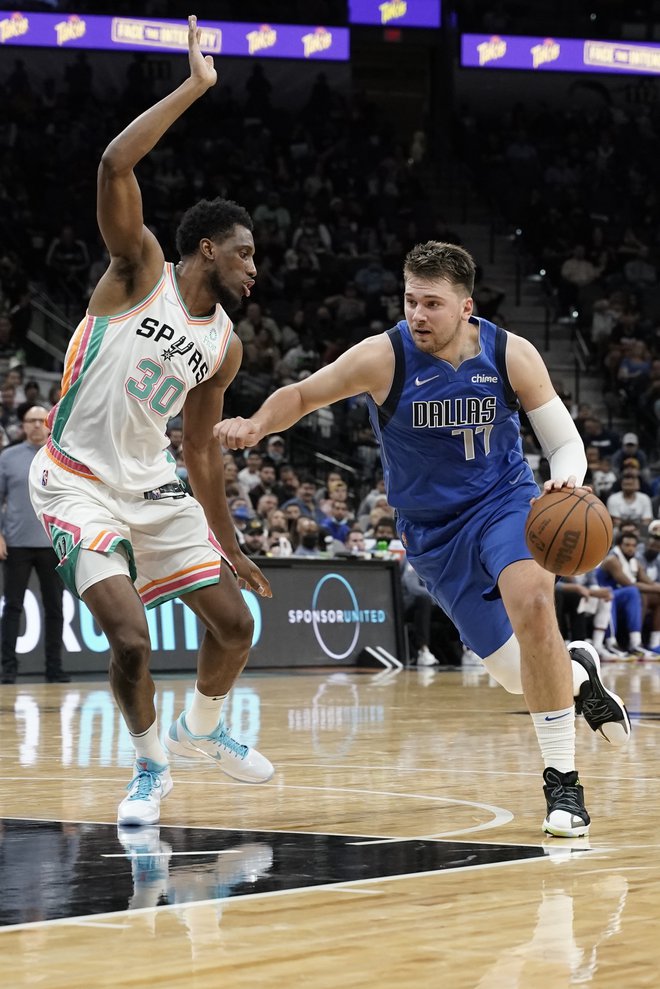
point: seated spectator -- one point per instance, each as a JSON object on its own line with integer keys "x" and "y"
{"x": 241, "y": 513}
{"x": 337, "y": 522}
{"x": 288, "y": 483}
{"x": 384, "y": 531}
{"x": 633, "y": 371}
{"x": 381, "y": 509}
{"x": 584, "y": 610}
{"x": 602, "y": 477}
{"x": 275, "y": 449}
{"x": 369, "y": 500}
{"x": 266, "y": 503}
{"x": 630, "y": 504}
{"x": 309, "y": 540}
{"x": 622, "y": 571}
{"x": 254, "y": 538}
{"x": 267, "y": 481}
{"x": 305, "y": 496}
{"x": 595, "y": 434}
{"x": 630, "y": 450}
{"x": 355, "y": 544}
{"x": 249, "y": 475}
{"x": 254, "y": 320}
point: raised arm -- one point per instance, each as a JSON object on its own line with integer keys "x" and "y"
{"x": 366, "y": 367}
{"x": 549, "y": 418}
{"x": 136, "y": 257}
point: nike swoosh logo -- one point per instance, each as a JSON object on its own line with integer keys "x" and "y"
{"x": 557, "y": 717}
{"x": 516, "y": 479}
{"x": 426, "y": 380}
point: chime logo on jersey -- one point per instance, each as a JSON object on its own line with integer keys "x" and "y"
{"x": 470, "y": 411}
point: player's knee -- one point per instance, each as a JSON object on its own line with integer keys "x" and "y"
{"x": 504, "y": 666}
{"x": 234, "y": 633}
{"x": 534, "y": 610}
{"x": 130, "y": 655}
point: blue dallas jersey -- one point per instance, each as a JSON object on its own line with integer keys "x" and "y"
{"x": 449, "y": 437}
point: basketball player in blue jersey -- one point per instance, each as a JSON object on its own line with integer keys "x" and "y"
{"x": 444, "y": 389}
{"x": 156, "y": 342}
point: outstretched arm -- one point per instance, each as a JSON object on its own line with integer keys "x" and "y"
{"x": 366, "y": 367}
{"x": 119, "y": 203}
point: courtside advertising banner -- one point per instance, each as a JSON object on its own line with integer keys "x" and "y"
{"x": 395, "y": 13}
{"x": 538, "y": 54}
{"x": 322, "y": 613}
{"x": 154, "y": 34}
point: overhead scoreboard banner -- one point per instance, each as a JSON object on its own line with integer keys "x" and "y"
{"x": 539, "y": 54}
{"x": 153, "y": 34}
{"x": 323, "y": 612}
{"x": 395, "y": 13}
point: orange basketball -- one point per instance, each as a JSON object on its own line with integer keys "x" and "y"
{"x": 568, "y": 531}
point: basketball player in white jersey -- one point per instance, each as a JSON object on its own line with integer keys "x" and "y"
{"x": 156, "y": 342}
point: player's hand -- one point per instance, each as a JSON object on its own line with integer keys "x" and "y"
{"x": 3, "y": 548}
{"x": 201, "y": 66}
{"x": 238, "y": 433}
{"x": 557, "y": 483}
{"x": 249, "y": 575}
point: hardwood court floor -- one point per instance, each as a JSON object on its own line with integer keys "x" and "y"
{"x": 398, "y": 844}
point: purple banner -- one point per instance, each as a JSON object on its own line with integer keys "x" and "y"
{"x": 395, "y": 13}
{"x": 508, "y": 51}
{"x": 155, "y": 34}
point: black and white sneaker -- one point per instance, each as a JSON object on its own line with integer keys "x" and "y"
{"x": 603, "y": 711}
{"x": 567, "y": 816}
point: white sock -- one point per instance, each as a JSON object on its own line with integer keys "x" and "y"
{"x": 635, "y": 640}
{"x": 555, "y": 731}
{"x": 654, "y": 641}
{"x": 147, "y": 745}
{"x": 203, "y": 715}
{"x": 598, "y": 638}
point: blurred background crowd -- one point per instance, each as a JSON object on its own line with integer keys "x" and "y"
{"x": 339, "y": 190}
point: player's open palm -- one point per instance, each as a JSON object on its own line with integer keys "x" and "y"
{"x": 238, "y": 433}
{"x": 201, "y": 66}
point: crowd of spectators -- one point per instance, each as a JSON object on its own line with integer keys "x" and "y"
{"x": 337, "y": 198}
{"x": 580, "y": 183}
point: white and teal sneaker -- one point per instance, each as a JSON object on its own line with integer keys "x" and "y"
{"x": 152, "y": 782}
{"x": 236, "y": 760}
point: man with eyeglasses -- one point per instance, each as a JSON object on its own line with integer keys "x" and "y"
{"x": 24, "y": 547}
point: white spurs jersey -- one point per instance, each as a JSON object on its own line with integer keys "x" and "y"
{"x": 124, "y": 377}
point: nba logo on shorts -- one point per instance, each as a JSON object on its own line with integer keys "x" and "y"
{"x": 44, "y": 478}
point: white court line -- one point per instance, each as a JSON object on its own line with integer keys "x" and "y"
{"x": 229, "y": 900}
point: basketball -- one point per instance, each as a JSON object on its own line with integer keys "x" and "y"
{"x": 568, "y": 531}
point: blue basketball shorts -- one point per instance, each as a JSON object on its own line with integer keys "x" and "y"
{"x": 460, "y": 562}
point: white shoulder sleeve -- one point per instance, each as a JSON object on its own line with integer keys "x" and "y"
{"x": 560, "y": 441}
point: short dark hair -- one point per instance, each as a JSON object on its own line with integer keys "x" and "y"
{"x": 212, "y": 218}
{"x": 435, "y": 259}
